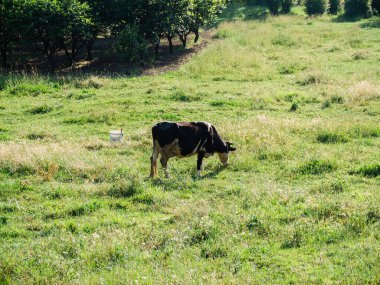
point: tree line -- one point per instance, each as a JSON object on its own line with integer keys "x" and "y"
{"x": 71, "y": 25}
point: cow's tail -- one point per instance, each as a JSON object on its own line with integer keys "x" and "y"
{"x": 154, "y": 133}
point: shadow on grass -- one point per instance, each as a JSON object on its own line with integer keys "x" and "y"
{"x": 372, "y": 23}
{"x": 213, "y": 173}
{"x": 236, "y": 12}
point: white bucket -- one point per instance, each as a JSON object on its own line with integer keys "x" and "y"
{"x": 116, "y": 136}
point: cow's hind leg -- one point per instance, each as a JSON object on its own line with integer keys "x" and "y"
{"x": 164, "y": 163}
{"x": 153, "y": 161}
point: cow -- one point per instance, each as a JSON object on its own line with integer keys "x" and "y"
{"x": 186, "y": 139}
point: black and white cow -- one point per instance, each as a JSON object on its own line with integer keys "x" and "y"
{"x": 184, "y": 140}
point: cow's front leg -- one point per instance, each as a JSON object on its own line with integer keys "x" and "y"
{"x": 199, "y": 163}
{"x": 164, "y": 163}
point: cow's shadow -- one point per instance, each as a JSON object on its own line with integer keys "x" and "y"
{"x": 213, "y": 173}
{"x": 165, "y": 181}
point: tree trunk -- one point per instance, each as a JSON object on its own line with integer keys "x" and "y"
{"x": 170, "y": 37}
{"x": 68, "y": 55}
{"x": 4, "y": 63}
{"x": 156, "y": 46}
{"x": 141, "y": 58}
{"x": 50, "y": 58}
{"x": 182, "y": 37}
{"x": 196, "y": 32}
{"x": 74, "y": 50}
{"x": 89, "y": 45}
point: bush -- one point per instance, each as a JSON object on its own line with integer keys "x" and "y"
{"x": 316, "y": 7}
{"x": 274, "y": 6}
{"x": 334, "y": 6}
{"x": 357, "y": 8}
{"x": 286, "y": 6}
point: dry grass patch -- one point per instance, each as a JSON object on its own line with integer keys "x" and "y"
{"x": 363, "y": 91}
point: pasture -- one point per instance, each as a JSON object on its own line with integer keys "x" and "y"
{"x": 299, "y": 203}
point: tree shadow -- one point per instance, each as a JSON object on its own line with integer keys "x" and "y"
{"x": 372, "y": 23}
{"x": 344, "y": 19}
{"x": 236, "y": 12}
{"x": 107, "y": 61}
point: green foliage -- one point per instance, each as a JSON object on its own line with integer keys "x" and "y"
{"x": 332, "y": 187}
{"x": 213, "y": 252}
{"x": 294, "y": 241}
{"x": 331, "y": 137}
{"x": 84, "y": 209}
{"x": 316, "y": 167}
{"x": 326, "y": 104}
{"x": 36, "y": 136}
{"x": 11, "y": 26}
{"x": 255, "y": 225}
{"x": 286, "y": 6}
{"x": 293, "y": 107}
{"x": 357, "y": 8}
{"x": 43, "y": 109}
{"x": 372, "y": 170}
{"x": 316, "y": 7}
{"x": 376, "y": 7}
{"x": 282, "y": 40}
{"x": 274, "y": 6}
{"x": 131, "y": 43}
{"x": 182, "y": 96}
{"x": 334, "y": 6}
{"x": 124, "y": 188}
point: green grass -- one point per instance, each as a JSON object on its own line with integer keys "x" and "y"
{"x": 298, "y": 204}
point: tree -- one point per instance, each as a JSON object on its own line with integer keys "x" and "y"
{"x": 316, "y": 7}
{"x": 79, "y": 27}
{"x": 10, "y": 27}
{"x": 169, "y": 16}
{"x": 47, "y": 26}
{"x": 107, "y": 16}
{"x": 56, "y": 23}
{"x": 131, "y": 43}
{"x": 201, "y": 13}
{"x": 357, "y": 8}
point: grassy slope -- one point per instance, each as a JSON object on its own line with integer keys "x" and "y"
{"x": 291, "y": 208}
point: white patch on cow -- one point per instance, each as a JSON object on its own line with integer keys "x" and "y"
{"x": 196, "y": 148}
{"x": 171, "y": 150}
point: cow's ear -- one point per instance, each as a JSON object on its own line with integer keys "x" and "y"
{"x": 230, "y": 148}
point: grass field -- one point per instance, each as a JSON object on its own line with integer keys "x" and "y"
{"x": 299, "y": 203}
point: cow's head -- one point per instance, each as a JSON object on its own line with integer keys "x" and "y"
{"x": 223, "y": 156}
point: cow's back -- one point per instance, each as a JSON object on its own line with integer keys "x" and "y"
{"x": 164, "y": 133}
